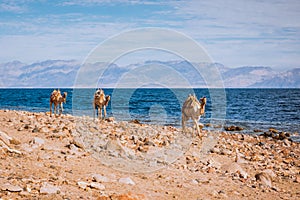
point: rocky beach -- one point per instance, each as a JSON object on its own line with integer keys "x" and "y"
{"x": 69, "y": 157}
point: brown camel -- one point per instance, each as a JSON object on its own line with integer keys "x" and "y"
{"x": 57, "y": 99}
{"x": 193, "y": 109}
{"x": 100, "y": 101}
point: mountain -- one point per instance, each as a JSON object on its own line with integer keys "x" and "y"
{"x": 64, "y": 73}
{"x": 247, "y": 76}
{"x": 288, "y": 79}
{"x": 50, "y": 73}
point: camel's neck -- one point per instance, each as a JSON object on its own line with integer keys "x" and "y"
{"x": 202, "y": 108}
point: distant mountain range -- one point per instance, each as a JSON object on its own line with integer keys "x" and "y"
{"x": 63, "y": 73}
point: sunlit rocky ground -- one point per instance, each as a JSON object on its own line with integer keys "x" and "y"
{"x": 67, "y": 157}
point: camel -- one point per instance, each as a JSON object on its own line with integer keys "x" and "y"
{"x": 193, "y": 109}
{"x": 100, "y": 101}
{"x": 57, "y": 99}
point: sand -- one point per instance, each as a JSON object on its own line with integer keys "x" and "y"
{"x": 67, "y": 157}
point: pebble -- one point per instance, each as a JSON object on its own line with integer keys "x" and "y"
{"x": 11, "y": 188}
{"x": 127, "y": 180}
{"x": 47, "y": 188}
{"x": 38, "y": 141}
{"x": 233, "y": 128}
{"x": 82, "y": 184}
{"x": 264, "y": 179}
{"x": 101, "y": 179}
{"x": 233, "y": 168}
{"x": 98, "y": 186}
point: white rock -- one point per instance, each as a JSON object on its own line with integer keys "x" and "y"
{"x": 49, "y": 189}
{"x": 5, "y": 138}
{"x": 38, "y": 141}
{"x": 127, "y": 180}
{"x": 98, "y": 186}
{"x": 82, "y": 184}
{"x": 100, "y": 178}
{"x": 11, "y": 188}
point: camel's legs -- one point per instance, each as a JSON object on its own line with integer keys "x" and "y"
{"x": 55, "y": 109}
{"x": 50, "y": 108}
{"x": 197, "y": 127}
{"x": 61, "y": 108}
{"x": 104, "y": 109}
{"x": 94, "y": 110}
{"x": 100, "y": 112}
{"x": 55, "y": 105}
{"x": 183, "y": 121}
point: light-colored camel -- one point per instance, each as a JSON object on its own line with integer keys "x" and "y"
{"x": 57, "y": 99}
{"x": 193, "y": 109}
{"x": 100, "y": 101}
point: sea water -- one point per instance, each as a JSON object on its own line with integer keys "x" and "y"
{"x": 249, "y": 108}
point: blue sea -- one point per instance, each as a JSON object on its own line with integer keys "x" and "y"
{"x": 252, "y": 109}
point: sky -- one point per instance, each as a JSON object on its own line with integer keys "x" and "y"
{"x": 234, "y": 32}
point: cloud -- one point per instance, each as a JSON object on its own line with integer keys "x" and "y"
{"x": 233, "y": 32}
{"x": 13, "y": 7}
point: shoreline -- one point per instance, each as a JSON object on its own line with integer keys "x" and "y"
{"x": 63, "y": 158}
{"x": 232, "y": 126}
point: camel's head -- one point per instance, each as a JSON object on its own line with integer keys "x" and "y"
{"x": 65, "y": 96}
{"x": 107, "y": 99}
{"x": 99, "y": 93}
{"x": 203, "y": 100}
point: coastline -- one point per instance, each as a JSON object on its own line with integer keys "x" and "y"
{"x": 50, "y": 157}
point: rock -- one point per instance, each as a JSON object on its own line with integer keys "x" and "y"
{"x": 26, "y": 126}
{"x": 282, "y": 136}
{"x": 110, "y": 119}
{"x": 127, "y": 180}
{"x": 82, "y": 184}
{"x": 264, "y": 179}
{"x": 35, "y": 129}
{"x": 5, "y": 138}
{"x": 11, "y": 188}
{"x": 14, "y": 141}
{"x": 7, "y": 148}
{"x": 215, "y": 150}
{"x": 201, "y": 126}
{"x": 225, "y": 152}
{"x": 297, "y": 179}
{"x": 233, "y": 128}
{"x": 213, "y": 163}
{"x": 210, "y": 170}
{"x": 98, "y": 186}
{"x": 44, "y": 130}
{"x": 273, "y": 130}
{"x": 234, "y": 168}
{"x": 268, "y": 134}
{"x": 135, "y": 121}
{"x": 101, "y": 179}
{"x": 38, "y": 141}
{"x": 49, "y": 189}
{"x": 77, "y": 143}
